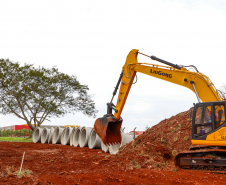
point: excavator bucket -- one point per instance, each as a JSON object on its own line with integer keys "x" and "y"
{"x": 108, "y": 130}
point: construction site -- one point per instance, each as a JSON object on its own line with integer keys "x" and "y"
{"x": 112, "y": 92}
{"x": 148, "y": 159}
{"x": 188, "y": 148}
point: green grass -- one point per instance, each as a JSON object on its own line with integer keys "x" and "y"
{"x": 24, "y": 172}
{"x": 15, "y": 139}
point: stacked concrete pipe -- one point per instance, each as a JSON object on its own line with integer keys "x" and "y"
{"x": 67, "y": 135}
{"x": 72, "y": 136}
{"x": 84, "y": 136}
{"x": 62, "y": 136}
{"x": 57, "y": 135}
{"x": 51, "y": 135}
{"x": 113, "y": 149}
{"x": 76, "y": 137}
{"x": 37, "y": 135}
{"x": 104, "y": 147}
{"x": 45, "y": 135}
{"x": 94, "y": 140}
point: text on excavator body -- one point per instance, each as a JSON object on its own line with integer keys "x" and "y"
{"x": 161, "y": 73}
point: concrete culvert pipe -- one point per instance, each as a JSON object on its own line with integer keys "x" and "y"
{"x": 57, "y": 135}
{"x": 94, "y": 140}
{"x": 67, "y": 135}
{"x": 84, "y": 137}
{"x": 104, "y": 147}
{"x": 72, "y": 136}
{"x": 37, "y": 135}
{"x": 51, "y": 135}
{"x": 113, "y": 149}
{"x": 76, "y": 137}
{"x": 62, "y": 136}
{"x": 45, "y": 135}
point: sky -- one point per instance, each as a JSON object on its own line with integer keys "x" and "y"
{"x": 91, "y": 40}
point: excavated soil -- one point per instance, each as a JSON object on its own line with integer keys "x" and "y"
{"x": 149, "y": 159}
{"x": 157, "y": 147}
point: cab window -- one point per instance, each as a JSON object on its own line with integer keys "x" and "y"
{"x": 203, "y": 120}
{"x": 203, "y": 115}
{"x": 219, "y": 115}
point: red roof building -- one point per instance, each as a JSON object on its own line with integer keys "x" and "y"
{"x": 19, "y": 127}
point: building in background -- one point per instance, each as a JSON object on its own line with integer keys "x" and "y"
{"x": 19, "y": 127}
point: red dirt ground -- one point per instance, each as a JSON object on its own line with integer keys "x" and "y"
{"x": 147, "y": 160}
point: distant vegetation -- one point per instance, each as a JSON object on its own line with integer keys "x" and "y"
{"x": 16, "y": 133}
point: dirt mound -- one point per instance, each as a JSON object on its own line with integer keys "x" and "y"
{"x": 158, "y": 146}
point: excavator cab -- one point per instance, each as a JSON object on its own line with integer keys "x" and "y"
{"x": 209, "y": 134}
{"x": 207, "y": 119}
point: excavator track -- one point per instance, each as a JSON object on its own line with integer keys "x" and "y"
{"x": 203, "y": 158}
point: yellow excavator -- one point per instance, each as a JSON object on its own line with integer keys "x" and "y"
{"x": 208, "y": 125}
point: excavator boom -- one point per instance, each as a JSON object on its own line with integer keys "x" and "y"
{"x": 108, "y": 127}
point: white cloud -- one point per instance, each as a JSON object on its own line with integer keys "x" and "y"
{"x": 190, "y": 4}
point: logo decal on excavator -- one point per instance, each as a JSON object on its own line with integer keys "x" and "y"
{"x": 161, "y": 73}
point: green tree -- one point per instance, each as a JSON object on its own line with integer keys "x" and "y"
{"x": 24, "y": 132}
{"x": 37, "y": 94}
{"x": 16, "y": 133}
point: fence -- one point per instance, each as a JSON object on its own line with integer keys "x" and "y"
{"x": 16, "y": 133}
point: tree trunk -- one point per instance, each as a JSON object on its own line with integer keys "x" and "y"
{"x": 30, "y": 125}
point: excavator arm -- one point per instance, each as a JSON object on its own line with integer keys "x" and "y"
{"x": 108, "y": 127}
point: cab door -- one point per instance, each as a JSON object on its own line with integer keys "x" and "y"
{"x": 202, "y": 121}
